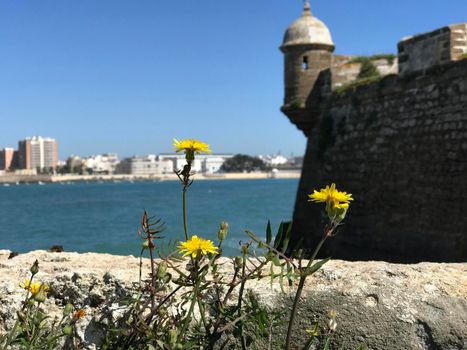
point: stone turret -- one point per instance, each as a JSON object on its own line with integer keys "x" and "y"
{"x": 307, "y": 48}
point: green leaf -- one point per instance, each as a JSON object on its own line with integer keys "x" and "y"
{"x": 276, "y": 261}
{"x": 316, "y": 266}
{"x": 278, "y": 238}
{"x": 281, "y": 279}
{"x": 286, "y": 240}
{"x": 328, "y": 343}
{"x": 268, "y": 233}
{"x": 253, "y": 236}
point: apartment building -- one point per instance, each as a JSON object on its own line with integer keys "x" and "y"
{"x": 37, "y": 153}
{"x": 8, "y": 159}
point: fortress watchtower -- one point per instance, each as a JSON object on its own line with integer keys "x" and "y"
{"x": 307, "y": 48}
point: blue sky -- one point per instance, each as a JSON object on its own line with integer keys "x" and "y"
{"x": 128, "y": 76}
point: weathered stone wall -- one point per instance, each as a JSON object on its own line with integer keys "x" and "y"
{"x": 435, "y": 48}
{"x": 345, "y": 69}
{"x": 400, "y": 146}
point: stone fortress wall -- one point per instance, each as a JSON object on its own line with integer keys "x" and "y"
{"x": 398, "y": 143}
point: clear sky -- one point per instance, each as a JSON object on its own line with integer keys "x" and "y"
{"x": 127, "y": 76}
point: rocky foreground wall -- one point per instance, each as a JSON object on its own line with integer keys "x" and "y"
{"x": 381, "y": 305}
{"x": 399, "y": 146}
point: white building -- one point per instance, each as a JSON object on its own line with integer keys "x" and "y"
{"x": 204, "y": 163}
{"x": 149, "y": 165}
{"x": 274, "y": 160}
{"x": 101, "y": 163}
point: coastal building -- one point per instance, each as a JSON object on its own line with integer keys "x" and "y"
{"x": 101, "y": 164}
{"x": 38, "y": 153}
{"x": 145, "y": 166}
{"x": 8, "y": 159}
{"x": 274, "y": 160}
{"x": 204, "y": 163}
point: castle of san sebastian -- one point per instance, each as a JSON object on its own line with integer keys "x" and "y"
{"x": 391, "y": 130}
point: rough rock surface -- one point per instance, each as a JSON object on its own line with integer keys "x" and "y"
{"x": 381, "y": 305}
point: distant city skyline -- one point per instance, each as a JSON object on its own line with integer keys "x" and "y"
{"x": 125, "y": 77}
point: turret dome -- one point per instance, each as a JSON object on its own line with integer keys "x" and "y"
{"x": 308, "y": 30}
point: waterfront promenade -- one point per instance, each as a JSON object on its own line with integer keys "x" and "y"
{"x": 20, "y": 179}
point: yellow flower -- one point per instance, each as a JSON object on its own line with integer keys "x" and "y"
{"x": 35, "y": 287}
{"x": 197, "y": 246}
{"x": 330, "y": 194}
{"x": 191, "y": 146}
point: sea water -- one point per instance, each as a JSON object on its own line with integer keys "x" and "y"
{"x": 105, "y": 217}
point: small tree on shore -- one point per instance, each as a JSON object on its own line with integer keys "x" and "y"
{"x": 243, "y": 163}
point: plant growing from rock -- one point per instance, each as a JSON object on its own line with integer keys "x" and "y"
{"x": 33, "y": 328}
{"x": 188, "y": 301}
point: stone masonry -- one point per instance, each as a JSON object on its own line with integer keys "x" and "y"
{"x": 398, "y": 143}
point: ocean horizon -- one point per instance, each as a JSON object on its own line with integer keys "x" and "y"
{"x": 104, "y": 217}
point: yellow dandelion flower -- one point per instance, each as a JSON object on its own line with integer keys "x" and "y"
{"x": 191, "y": 146}
{"x": 330, "y": 194}
{"x": 34, "y": 287}
{"x": 197, "y": 246}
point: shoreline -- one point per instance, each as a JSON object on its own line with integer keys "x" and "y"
{"x": 42, "y": 179}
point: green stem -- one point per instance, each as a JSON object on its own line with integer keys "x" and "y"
{"x": 239, "y": 305}
{"x": 185, "y": 225}
{"x": 197, "y": 280}
{"x": 35, "y": 329}
{"x": 203, "y": 316}
{"x": 192, "y": 306}
{"x": 10, "y": 337}
{"x": 300, "y": 289}
{"x": 153, "y": 272}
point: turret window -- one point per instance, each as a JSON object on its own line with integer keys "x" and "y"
{"x": 305, "y": 63}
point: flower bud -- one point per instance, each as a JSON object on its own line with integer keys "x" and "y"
{"x": 67, "y": 309}
{"x": 223, "y": 230}
{"x": 21, "y": 316}
{"x": 332, "y": 324}
{"x": 68, "y": 330}
{"x": 245, "y": 248}
{"x": 173, "y": 336}
{"x": 146, "y": 244}
{"x": 35, "y": 268}
{"x": 162, "y": 270}
{"x": 238, "y": 261}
